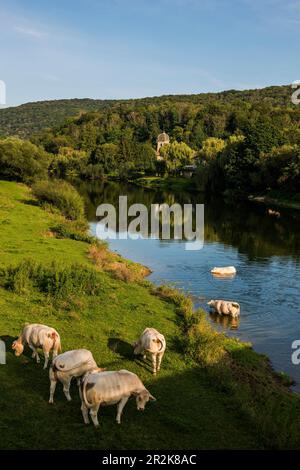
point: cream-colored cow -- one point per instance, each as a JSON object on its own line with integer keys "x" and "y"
{"x": 225, "y": 307}
{"x": 153, "y": 343}
{"x": 111, "y": 388}
{"x": 69, "y": 365}
{"x": 38, "y": 336}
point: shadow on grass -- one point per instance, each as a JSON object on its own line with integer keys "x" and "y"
{"x": 30, "y": 202}
{"x": 121, "y": 347}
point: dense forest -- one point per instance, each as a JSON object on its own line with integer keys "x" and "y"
{"x": 26, "y": 119}
{"x": 240, "y": 141}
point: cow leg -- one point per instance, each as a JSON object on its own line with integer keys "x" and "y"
{"x": 121, "y": 405}
{"x": 153, "y": 358}
{"x": 35, "y": 353}
{"x": 37, "y": 357}
{"x": 54, "y": 353}
{"x": 46, "y": 354}
{"x": 53, "y": 383}
{"x": 85, "y": 413}
{"x": 94, "y": 414}
{"x": 79, "y": 382}
{"x": 159, "y": 359}
{"x": 66, "y": 388}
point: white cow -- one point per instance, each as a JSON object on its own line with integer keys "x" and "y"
{"x": 225, "y": 307}
{"x": 154, "y": 343}
{"x": 38, "y": 336}
{"x": 68, "y": 365}
{"x": 111, "y": 388}
{"x": 224, "y": 271}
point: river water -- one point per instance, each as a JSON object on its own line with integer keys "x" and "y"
{"x": 264, "y": 249}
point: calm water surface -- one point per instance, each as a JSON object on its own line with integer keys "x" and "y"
{"x": 265, "y": 250}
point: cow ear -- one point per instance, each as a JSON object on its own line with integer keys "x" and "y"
{"x": 151, "y": 397}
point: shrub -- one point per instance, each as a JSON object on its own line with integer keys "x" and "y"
{"x": 56, "y": 280}
{"x": 23, "y": 161}
{"x": 69, "y": 231}
{"x": 61, "y": 195}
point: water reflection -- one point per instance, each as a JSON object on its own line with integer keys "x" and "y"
{"x": 264, "y": 249}
{"x": 247, "y": 227}
{"x": 226, "y": 321}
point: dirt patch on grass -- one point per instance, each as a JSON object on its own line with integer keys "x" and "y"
{"x": 113, "y": 263}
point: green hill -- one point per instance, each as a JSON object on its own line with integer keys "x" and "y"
{"x": 29, "y": 118}
{"x": 32, "y": 117}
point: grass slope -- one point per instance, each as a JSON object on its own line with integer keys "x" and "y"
{"x": 188, "y": 412}
{"x": 197, "y": 406}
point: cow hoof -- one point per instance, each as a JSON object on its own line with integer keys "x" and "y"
{"x": 50, "y": 402}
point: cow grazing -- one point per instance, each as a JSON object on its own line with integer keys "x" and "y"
{"x": 154, "y": 343}
{"x": 225, "y": 307}
{"x": 111, "y": 388}
{"x": 38, "y": 336}
{"x": 67, "y": 365}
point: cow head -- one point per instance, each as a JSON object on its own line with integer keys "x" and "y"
{"x": 18, "y": 348}
{"x": 142, "y": 399}
{"x": 211, "y": 303}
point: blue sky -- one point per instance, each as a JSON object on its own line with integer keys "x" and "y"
{"x": 134, "y": 48}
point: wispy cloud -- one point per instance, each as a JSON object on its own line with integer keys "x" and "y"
{"x": 29, "y": 31}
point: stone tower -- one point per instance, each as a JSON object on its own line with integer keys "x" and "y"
{"x": 162, "y": 139}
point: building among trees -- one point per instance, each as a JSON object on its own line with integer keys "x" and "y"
{"x": 162, "y": 139}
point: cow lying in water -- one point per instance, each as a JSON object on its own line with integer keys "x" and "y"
{"x": 38, "y": 336}
{"x": 68, "y": 365}
{"x": 111, "y": 388}
{"x": 154, "y": 343}
{"x": 225, "y": 307}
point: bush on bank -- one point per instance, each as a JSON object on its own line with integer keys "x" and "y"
{"x": 22, "y": 161}
{"x": 237, "y": 370}
{"x": 62, "y": 195}
{"x": 55, "y": 279}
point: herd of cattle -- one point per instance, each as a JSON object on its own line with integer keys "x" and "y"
{"x": 96, "y": 386}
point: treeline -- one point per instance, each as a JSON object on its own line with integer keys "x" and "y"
{"x": 240, "y": 142}
{"x": 29, "y": 118}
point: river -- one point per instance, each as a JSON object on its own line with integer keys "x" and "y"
{"x": 264, "y": 249}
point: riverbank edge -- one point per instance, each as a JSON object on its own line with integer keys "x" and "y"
{"x": 274, "y": 198}
{"x": 280, "y": 200}
{"x": 231, "y": 366}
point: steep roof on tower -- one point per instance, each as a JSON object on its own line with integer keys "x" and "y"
{"x": 163, "y": 137}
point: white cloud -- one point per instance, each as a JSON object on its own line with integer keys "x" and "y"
{"x": 29, "y": 31}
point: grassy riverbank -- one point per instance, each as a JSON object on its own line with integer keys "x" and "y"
{"x": 171, "y": 183}
{"x": 212, "y": 392}
{"x": 278, "y": 199}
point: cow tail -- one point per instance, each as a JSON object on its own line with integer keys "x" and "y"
{"x": 162, "y": 344}
{"x": 87, "y": 404}
{"x": 54, "y": 370}
{"x": 56, "y": 341}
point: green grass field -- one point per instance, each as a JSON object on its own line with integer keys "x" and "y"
{"x": 192, "y": 410}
